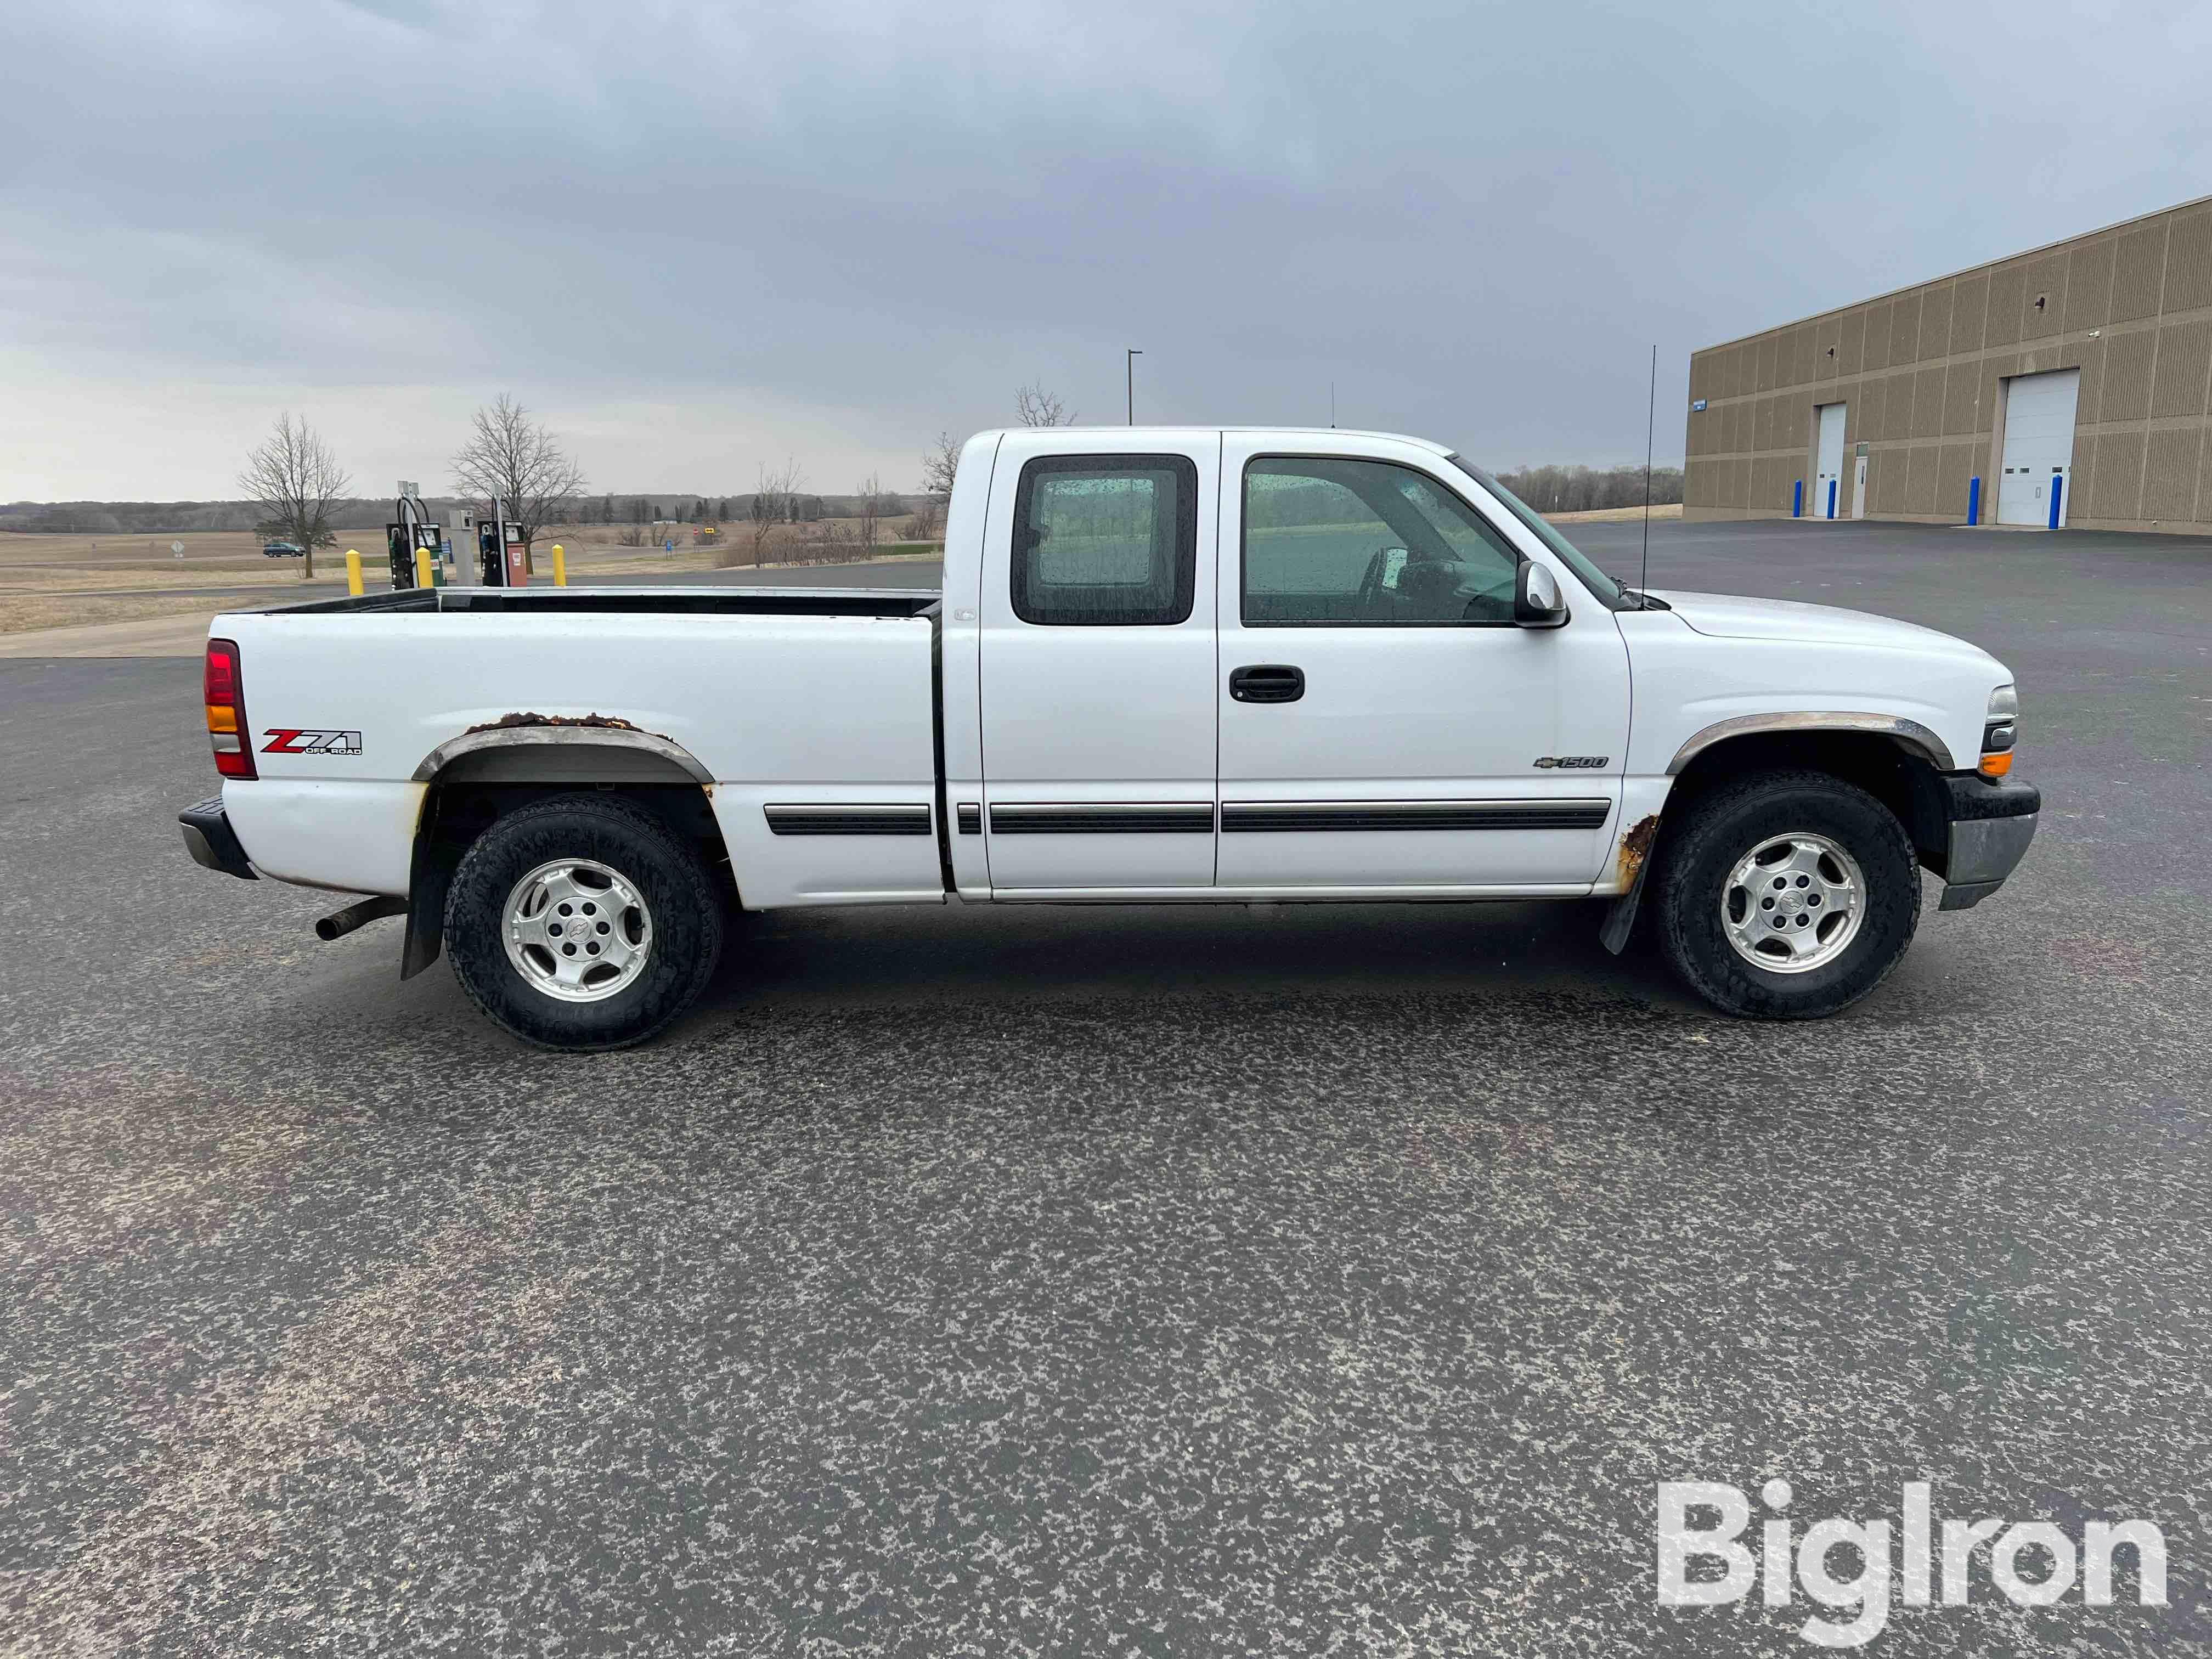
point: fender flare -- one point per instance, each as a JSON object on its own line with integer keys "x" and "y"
{"x": 1911, "y": 733}
{"x": 577, "y": 735}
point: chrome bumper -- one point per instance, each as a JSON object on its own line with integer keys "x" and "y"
{"x": 1991, "y": 825}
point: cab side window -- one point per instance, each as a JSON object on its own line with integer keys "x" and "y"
{"x": 1105, "y": 540}
{"x": 1338, "y": 542}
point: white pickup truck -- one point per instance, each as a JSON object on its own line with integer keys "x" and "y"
{"x": 1166, "y": 665}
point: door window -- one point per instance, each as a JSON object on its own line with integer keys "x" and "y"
{"x": 1337, "y": 543}
{"x": 1102, "y": 540}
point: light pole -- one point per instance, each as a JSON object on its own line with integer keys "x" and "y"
{"x": 1129, "y": 355}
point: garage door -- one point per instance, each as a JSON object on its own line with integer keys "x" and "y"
{"x": 2038, "y": 449}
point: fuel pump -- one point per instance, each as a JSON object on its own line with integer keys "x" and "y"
{"x": 491, "y": 557}
{"x": 501, "y": 555}
{"x": 408, "y": 537}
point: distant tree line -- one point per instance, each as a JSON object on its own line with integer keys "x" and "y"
{"x": 168, "y": 518}
{"x": 1586, "y": 490}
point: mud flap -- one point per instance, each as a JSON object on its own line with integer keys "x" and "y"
{"x": 1635, "y": 863}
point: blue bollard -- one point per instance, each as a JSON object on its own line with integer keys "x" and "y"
{"x": 1797, "y": 499}
{"x": 2057, "y": 483}
{"x": 1973, "y": 501}
{"x": 1832, "y": 498}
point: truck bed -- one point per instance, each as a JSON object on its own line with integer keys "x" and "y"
{"x": 635, "y": 601}
{"x": 812, "y": 701}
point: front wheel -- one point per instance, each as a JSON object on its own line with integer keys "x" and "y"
{"x": 1786, "y": 894}
{"x": 581, "y": 923}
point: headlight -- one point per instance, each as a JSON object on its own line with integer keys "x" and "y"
{"x": 2000, "y": 730}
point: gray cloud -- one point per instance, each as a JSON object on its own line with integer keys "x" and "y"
{"x": 699, "y": 240}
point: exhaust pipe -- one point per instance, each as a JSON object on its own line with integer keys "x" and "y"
{"x": 339, "y": 923}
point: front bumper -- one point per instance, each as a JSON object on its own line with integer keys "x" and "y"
{"x": 1992, "y": 822}
{"x": 211, "y": 841}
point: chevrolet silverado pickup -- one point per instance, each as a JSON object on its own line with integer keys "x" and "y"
{"x": 1165, "y": 666}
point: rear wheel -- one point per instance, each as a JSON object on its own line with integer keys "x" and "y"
{"x": 1786, "y": 894}
{"x": 581, "y": 923}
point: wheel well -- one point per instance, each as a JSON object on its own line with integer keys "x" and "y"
{"x": 1893, "y": 775}
{"x": 457, "y": 810}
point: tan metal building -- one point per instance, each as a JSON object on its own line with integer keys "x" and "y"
{"x": 2065, "y": 386}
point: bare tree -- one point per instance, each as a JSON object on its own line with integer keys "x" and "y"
{"x": 939, "y": 463}
{"x": 514, "y": 458}
{"x": 872, "y": 507}
{"x": 1038, "y": 407}
{"x": 776, "y": 502}
{"x": 294, "y": 479}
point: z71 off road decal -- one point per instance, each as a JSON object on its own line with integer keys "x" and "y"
{"x": 282, "y": 741}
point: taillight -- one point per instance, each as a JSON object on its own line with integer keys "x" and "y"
{"x": 227, "y": 732}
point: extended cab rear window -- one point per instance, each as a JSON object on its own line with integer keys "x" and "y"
{"x": 1106, "y": 540}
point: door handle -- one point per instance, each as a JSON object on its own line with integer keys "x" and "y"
{"x": 1267, "y": 682}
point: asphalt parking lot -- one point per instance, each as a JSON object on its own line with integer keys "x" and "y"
{"x": 1148, "y": 1281}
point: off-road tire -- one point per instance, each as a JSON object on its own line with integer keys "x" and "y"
{"x": 686, "y": 920}
{"x": 1720, "y": 827}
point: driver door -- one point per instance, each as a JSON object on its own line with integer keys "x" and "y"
{"x": 1381, "y": 719}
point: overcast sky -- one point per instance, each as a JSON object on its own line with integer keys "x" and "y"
{"x": 698, "y": 238}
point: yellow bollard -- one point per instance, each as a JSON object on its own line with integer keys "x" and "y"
{"x": 425, "y": 572}
{"x": 560, "y": 567}
{"x": 353, "y": 572}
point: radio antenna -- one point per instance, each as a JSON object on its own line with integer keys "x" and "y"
{"x": 1650, "y": 423}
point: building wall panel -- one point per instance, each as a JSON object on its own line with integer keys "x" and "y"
{"x": 1876, "y": 351}
{"x": 1904, "y": 330}
{"x": 1956, "y": 466}
{"x": 1970, "y": 310}
{"x": 1851, "y": 347}
{"x": 2178, "y": 381}
{"x": 2045, "y": 280}
{"x": 2138, "y": 272}
{"x": 1927, "y": 404}
{"x": 1936, "y": 322}
{"x": 2006, "y": 284}
{"x": 2118, "y": 483}
{"x": 2169, "y": 488}
{"x": 1962, "y": 386}
{"x": 2089, "y": 284}
{"x": 1872, "y": 393}
{"x": 1920, "y": 491}
{"x": 2126, "y": 392}
{"x": 1899, "y": 422}
{"x": 2189, "y": 262}
{"x": 2090, "y": 398}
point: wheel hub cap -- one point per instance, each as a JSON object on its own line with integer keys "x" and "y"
{"x": 1793, "y": 903}
{"x": 577, "y": 930}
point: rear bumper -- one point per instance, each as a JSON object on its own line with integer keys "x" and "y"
{"x": 211, "y": 841}
{"x": 1992, "y": 822}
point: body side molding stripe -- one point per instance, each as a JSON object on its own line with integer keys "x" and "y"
{"x": 1251, "y": 817}
{"x": 1168, "y": 818}
{"x": 847, "y": 818}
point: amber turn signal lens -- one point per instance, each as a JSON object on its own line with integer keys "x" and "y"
{"x": 1996, "y": 766}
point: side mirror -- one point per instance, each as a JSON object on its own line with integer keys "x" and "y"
{"x": 1537, "y": 601}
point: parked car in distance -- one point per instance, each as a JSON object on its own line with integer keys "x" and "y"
{"x": 1167, "y": 666}
{"x": 282, "y": 551}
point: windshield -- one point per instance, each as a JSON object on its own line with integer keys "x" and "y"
{"x": 1607, "y": 590}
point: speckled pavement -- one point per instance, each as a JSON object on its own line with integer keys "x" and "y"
{"x": 1145, "y": 1282}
